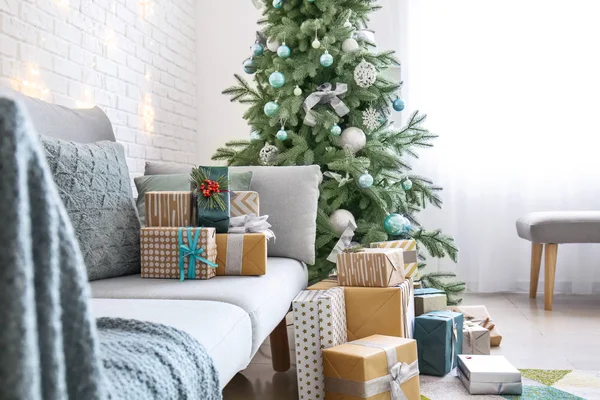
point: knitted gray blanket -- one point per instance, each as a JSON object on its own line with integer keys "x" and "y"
{"x": 50, "y": 345}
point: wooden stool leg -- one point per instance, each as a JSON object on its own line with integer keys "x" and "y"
{"x": 549, "y": 273}
{"x": 536, "y": 261}
{"x": 280, "y": 349}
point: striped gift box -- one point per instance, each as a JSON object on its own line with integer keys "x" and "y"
{"x": 371, "y": 268}
{"x": 410, "y": 254}
{"x": 244, "y": 203}
{"x": 169, "y": 209}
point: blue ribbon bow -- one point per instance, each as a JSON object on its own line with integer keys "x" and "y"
{"x": 192, "y": 252}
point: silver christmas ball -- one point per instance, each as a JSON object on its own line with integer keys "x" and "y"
{"x": 268, "y": 154}
{"x": 340, "y": 219}
{"x": 273, "y": 44}
{"x": 353, "y": 139}
{"x": 350, "y": 46}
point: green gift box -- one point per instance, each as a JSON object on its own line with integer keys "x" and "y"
{"x": 439, "y": 341}
{"x": 211, "y": 189}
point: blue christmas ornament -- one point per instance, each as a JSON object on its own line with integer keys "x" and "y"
{"x": 271, "y": 109}
{"x": 250, "y": 66}
{"x": 398, "y": 104}
{"x": 283, "y": 51}
{"x": 277, "y": 3}
{"x": 326, "y": 59}
{"x": 311, "y": 1}
{"x": 407, "y": 184}
{"x": 365, "y": 181}
{"x": 335, "y": 130}
{"x": 257, "y": 49}
{"x": 282, "y": 135}
{"x": 396, "y": 224}
{"x": 276, "y": 79}
{"x": 254, "y": 136}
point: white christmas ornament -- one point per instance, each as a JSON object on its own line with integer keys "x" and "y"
{"x": 340, "y": 219}
{"x": 353, "y": 139}
{"x": 273, "y": 44}
{"x": 316, "y": 44}
{"x": 371, "y": 118}
{"x": 268, "y": 154}
{"x": 365, "y": 74}
{"x": 350, "y": 46}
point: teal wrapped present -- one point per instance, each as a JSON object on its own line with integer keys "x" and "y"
{"x": 439, "y": 341}
{"x": 211, "y": 188}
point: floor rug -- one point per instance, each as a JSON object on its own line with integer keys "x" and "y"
{"x": 538, "y": 384}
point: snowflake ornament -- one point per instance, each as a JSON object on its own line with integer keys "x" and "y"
{"x": 371, "y": 118}
{"x": 365, "y": 74}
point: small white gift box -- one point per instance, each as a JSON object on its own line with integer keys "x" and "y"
{"x": 489, "y": 375}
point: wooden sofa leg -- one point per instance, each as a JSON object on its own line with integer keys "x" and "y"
{"x": 280, "y": 349}
{"x": 536, "y": 261}
{"x": 549, "y": 273}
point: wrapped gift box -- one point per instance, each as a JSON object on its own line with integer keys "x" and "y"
{"x": 364, "y": 369}
{"x": 319, "y": 323}
{"x": 371, "y": 268}
{"x": 429, "y": 299}
{"x": 244, "y": 203}
{"x": 411, "y": 266}
{"x": 169, "y": 209}
{"x": 439, "y": 338}
{"x": 480, "y": 315}
{"x": 325, "y": 284}
{"x": 214, "y": 216}
{"x": 476, "y": 340}
{"x": 383, "y": 311}
{"x": 241, "y": 254}
{"x": 492, "y": 375}
{"x": 178, "y": 253}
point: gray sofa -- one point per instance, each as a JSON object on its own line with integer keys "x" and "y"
{"x": 231, "y": 316}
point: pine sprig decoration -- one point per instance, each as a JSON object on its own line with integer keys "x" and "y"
{"x": 445, "y": 281}
{"x": 209, "y": 192}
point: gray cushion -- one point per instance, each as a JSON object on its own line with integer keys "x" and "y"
{"x": 78, "y": 125}
{"x": 223, "y": 329}
{"x": 178, "y": 182}
{"x": 265, "y": 298}
{"x": 289, "y": 196}
{"x": 560, "y": 227}
{"x": 93, "y": 182}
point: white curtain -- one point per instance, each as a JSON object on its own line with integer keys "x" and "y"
{"x": 513, "y": 89}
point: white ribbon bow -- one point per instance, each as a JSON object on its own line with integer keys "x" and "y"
{"x": 401, "y": 373}
{"x": 344, "y": 242}
{"x": 325, "y": 95}
{"x": 251, "y": 224}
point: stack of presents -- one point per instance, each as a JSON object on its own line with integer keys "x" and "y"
{"x": 370, "y": 331}
{"x": 204, "y": 232}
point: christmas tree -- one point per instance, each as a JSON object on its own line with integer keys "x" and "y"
{"x": 320, "y": 96}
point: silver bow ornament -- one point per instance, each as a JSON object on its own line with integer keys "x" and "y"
{"x": 326, "y": 95}
{"x": 399, "y": 374}
{"x": 251, "y": 224}
{"x": 344, "y": 242}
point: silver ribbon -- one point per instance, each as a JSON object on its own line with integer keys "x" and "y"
{"x": 251, "y": 224}
{"x": 453, "y": 338}
{"x": 344, "y": 242}
{"x": 400, "y": 373}
{"x": 338, "y": 177}
{"x": 325, "y": 95}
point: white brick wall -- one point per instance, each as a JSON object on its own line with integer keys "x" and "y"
{"x": 136, "y": 63}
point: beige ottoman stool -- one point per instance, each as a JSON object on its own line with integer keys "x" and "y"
{"x": 546, "y": 230}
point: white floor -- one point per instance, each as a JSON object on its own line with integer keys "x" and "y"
{"x": 566, "y": 338}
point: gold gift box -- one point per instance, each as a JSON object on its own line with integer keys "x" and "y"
{"x": 241, "y": 254}
{"x": 161, "y": 249}
{"x": 169, "y": 209}
{"x": 411, "y": 266}
{"x": 351, "y": 370}
{"x": 371, "y": 268}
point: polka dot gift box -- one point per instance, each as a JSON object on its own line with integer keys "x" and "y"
{"x": 178, "y": 253}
